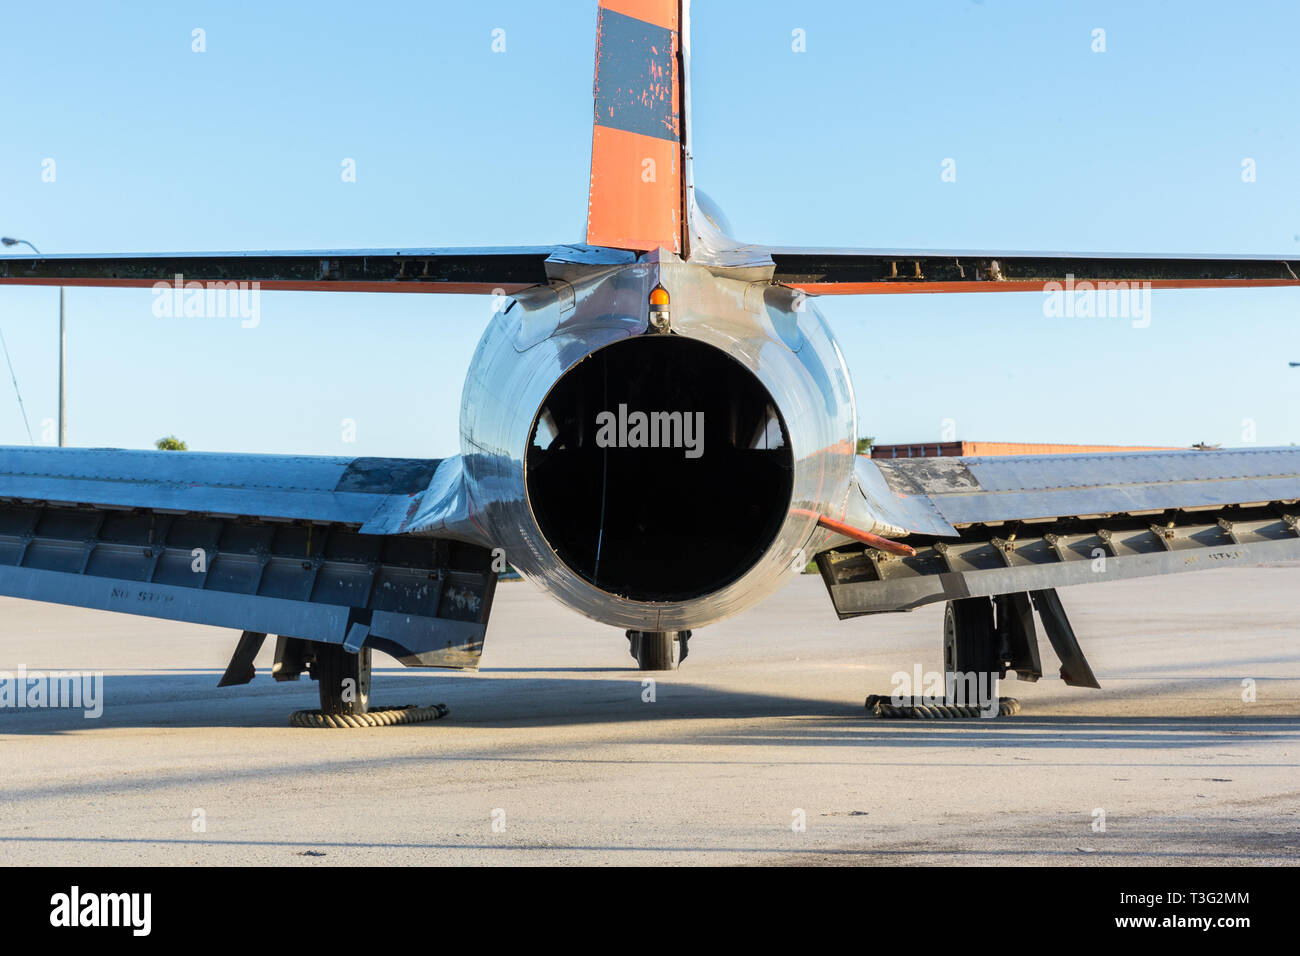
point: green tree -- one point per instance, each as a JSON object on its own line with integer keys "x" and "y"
{"x": 864, "y": 445}
{"x": 170, "y": 443}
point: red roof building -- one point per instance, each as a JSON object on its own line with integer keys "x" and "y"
{"x": 950, "y": 449}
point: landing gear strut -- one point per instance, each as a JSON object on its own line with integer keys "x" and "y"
{"x": 343, "y": 679}
{"x": 653, "y": 650}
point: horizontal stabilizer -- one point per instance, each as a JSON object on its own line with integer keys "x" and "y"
{"x": 868, "y": 271}
{"x": 489, "y": 271}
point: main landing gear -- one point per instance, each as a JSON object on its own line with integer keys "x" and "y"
{"x": 985, "y": 638}
{"x": 653, "y": 650}
{"x": 342, "y": 676}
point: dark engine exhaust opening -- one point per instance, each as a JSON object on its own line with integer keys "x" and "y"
{"x": 659, "y": 469}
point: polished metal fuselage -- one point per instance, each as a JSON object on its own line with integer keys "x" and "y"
{"x": 775, "y": 333}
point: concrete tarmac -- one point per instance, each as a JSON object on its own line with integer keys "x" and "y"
{"x": 756, "y": 752}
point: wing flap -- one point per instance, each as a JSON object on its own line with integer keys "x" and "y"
{"x": 272, "y": 544}
{"x": 992, "y": 525}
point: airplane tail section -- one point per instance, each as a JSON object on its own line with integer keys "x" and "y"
{"x": 637, "y": 180}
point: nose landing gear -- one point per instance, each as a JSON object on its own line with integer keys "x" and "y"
{"x": 653, "y": 650}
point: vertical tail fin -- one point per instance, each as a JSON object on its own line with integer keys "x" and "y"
{"x": 636, "y": 200}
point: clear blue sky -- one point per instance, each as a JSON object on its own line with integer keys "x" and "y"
{"x": 1137, "y": 149}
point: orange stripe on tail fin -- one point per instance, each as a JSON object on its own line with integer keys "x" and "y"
{"x": 635, "y": 200}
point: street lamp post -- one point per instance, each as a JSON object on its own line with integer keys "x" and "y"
{"x": 63, "y": 347}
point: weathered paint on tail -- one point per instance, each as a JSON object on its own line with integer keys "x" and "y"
{"x": 635, "y": 201}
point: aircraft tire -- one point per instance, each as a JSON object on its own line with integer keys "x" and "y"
{"x": 653, "y": 650}
{"x": 335, "y": 668}
{"x": 969, "y": 638}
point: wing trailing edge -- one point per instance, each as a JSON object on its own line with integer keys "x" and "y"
{"x": 998, "y": 525}
{"x": 303, "y": 547}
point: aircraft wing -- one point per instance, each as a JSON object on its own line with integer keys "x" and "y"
{"x": 867, "y": 271}
{"x": 998, "y": 525}
{"x": 493, "y": 271}
{"x": 351, "y": 551}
